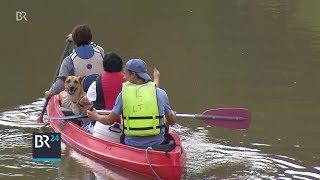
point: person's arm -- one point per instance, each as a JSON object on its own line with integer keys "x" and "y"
{"x": 104, "y": 119}
{"x": 112, "y": 117}
{"x": 66, "y": 69}
{"x": 171, "y": 119}
{"x": 156, "y": 77}
{"x": 69, "y": 39}
{"x": 168, "y": 112}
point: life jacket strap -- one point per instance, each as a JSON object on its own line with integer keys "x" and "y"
{"x": 143, "y": 117}
{"x": 145, "y": 128}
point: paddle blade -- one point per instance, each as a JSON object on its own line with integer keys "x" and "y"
{"x": 233, "y": 118}
{"x": 44, "y": 108}
{"x": 40, "y": 118}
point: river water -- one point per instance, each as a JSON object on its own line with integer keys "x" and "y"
{"x": 260, "y": 55}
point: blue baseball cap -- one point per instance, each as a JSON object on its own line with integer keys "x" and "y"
{"x": 138, "y": 66}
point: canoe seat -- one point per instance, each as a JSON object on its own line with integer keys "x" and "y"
{"x": 66, "y": 111}
{"x": 167, "y": 146}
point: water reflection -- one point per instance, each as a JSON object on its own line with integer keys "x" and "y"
{"x": 16, "y": 154}
{"x": 91, "y": 169}
{"x": 220, "y": 160}
{"x": 23, "y": 116}
{"x": 207, "y": 157}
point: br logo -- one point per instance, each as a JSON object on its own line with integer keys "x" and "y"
{"x": 21, "y": 16}
{"x": 46, "y": 147}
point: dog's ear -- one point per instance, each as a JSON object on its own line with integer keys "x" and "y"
{"x": 63, "y": 78}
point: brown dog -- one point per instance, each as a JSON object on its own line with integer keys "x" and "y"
{"x": 75, "y": 98}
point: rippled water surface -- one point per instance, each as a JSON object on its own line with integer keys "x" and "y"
{"x": 261, "y": 55}
{"x": 207, "y": 157}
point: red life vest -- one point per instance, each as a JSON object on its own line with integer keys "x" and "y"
{"x": 111, "y": 87}
{"x": 108, "y": 87}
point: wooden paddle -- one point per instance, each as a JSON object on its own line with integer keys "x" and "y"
{"x": 64, "y": 54}
{"x": 232, "y": 118}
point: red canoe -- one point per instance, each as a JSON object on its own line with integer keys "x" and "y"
{"x": 168, "y": 165}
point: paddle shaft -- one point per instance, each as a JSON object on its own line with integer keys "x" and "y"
{"x": 232, "y": 118}
{"x": 64, "y": 54}
{"x": 178, "y": 115}
{"x": 190, "y": 115}
{"x": 75, "y": 117}
{"x": 209, "y": 116}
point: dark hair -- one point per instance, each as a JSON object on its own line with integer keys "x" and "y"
{"x": 81, "y": 35}
{"x": 112, "y": 62}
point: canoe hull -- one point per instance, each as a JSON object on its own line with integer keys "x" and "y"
{"x": 167, "y": 165}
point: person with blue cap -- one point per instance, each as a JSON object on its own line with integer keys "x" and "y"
{"x": 144, "y": 107}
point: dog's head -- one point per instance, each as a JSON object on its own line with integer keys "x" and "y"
{"x": 73, "y": 84}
